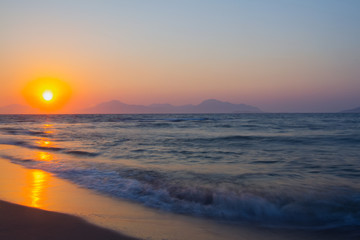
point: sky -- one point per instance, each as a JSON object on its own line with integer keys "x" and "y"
{"x": 278, "y": 55}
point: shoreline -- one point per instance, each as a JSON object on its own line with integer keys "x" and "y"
{"x": 37, "y": 190}
{"x": 20, "y": 222}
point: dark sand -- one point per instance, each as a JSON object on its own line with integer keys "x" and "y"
{"x": 18, "y": 223}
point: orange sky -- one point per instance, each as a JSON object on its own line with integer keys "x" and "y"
{"x": 298, "y": 56}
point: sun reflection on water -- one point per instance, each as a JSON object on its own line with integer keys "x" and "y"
{"x": 38, "y": 186}
{"x": 44, "y": 156}
{"x": 39, "y": 179}
{"x": 48, "y": 128}
{"x": 44, "y": 142}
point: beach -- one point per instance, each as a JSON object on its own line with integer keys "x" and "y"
{"x": 18, "y": 222}
{"x": 35, "y": 189}
{"x": 97, "y": 217}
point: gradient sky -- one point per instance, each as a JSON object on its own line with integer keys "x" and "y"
{"x": 279, "y": 55}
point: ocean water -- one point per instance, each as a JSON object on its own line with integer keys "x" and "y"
{"x": 275, "y": 170}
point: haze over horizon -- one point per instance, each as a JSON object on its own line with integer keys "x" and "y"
{"x": 280, "y": 56}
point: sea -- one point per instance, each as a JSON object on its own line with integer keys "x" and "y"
{"x": 297, "y": 171}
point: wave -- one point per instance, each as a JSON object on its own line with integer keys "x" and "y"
{"x": 25, "y": 144}
{"x": 339, "y": 207}
{"x": 82, "y": 153}
{"x": 280, "y": 139}
{"x": 21, "y": 131}
{"x": 278, "y": 163}
{"x": 185, "y": 119}
{"x": 16, "y": 159}
{"x": 168, "y": 122}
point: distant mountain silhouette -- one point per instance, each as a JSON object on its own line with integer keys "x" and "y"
{"x": 207, "y": 106}
{"x": 354, "y": 110}
{"x": 16, "y": 109}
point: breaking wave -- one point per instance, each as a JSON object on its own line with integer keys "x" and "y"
{"x": 337, "y": 207}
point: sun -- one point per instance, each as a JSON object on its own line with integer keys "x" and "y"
{"x": 47, "y": 95}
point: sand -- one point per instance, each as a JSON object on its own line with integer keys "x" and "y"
{"x": 35, "y": 189}
{"x": 20, "y": 222}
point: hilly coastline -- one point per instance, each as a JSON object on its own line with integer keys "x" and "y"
{"x": 353, "y": 110}
{"x": 207, "y": 106}
{"x": 117, "y": 107}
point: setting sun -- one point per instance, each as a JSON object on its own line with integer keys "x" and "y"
{"x": 47, "y": 95}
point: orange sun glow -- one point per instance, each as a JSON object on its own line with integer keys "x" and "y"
{"x": 47, "y": 94}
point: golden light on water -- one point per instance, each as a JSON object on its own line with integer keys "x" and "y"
{"x": 38, "y": 185}
{"x": 44, "y": 143}
{"x": 45, "y": 156}
{"x": 48, "y": 128}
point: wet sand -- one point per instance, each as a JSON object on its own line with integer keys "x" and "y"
{"x": 37, "y": 190}
{"x": 20, "y": 222}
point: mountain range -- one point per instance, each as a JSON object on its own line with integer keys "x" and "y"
{"x": 117, "y": 107}
{"x": 207, "y": 106}
{"x": 354, "y": 110}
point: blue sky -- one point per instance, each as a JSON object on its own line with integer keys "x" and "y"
{"x": 278, "y": 55}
